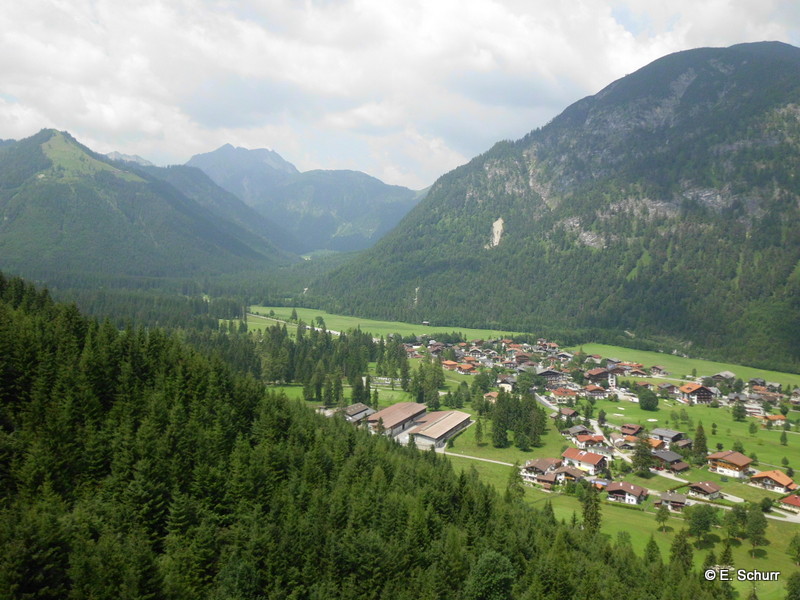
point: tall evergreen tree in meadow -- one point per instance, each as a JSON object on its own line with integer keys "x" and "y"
{"x": 642, "y": 456}
{"x": 699, "y": 445}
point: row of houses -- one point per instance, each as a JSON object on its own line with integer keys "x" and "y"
{"x": 577, "y": 465}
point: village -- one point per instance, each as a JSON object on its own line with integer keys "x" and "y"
{"x": 566, "y": 384}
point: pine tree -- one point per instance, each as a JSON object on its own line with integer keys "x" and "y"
{"x": 793, "y": 586}
{"x": 479, "y": 432}
{"x": 642, "y": 457}
{"x": 681, "y": 553}
{"x": 699, "y": 446}
{"x": 794, "y": 548}
{"x": 591, "y": 510}
{"x": 755, "y": 527}
{"x": 662, "y": 516}
{"x": 515, "y": 489}
{"x": 652, "y": 555}
{"x": 726, "y": 558}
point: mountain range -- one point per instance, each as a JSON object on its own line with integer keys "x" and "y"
{"x": 67, "y": 211}
{"x": 666, "y": 204}
{"x": 337, "y": 210}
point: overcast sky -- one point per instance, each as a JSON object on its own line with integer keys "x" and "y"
{"x": 404, "y": 90}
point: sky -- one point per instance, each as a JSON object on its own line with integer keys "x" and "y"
{"x": 404, "y": 90}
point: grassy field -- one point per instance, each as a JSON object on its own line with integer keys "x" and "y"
{"x": 678, "y": 366}
{"x": 375, "y": 327}
{"x": 765, "y": 442}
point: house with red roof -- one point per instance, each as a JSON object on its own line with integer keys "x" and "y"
{"x": 791, "y": 503}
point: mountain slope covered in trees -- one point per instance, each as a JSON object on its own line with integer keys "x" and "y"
{"x": 323, "y": 210}
{"x": 666, "y": 204}
{"x": 134, "y": 467}
{"x": 66, "y": 210}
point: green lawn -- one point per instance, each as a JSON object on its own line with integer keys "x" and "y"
{"x": 376, "y": 327}
{"x": 640, "y": 525}
{"x": 679, "y": 366}
{"x": 765, "y": 442}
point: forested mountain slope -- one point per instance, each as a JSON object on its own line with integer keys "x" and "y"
{"x": 67, "y": 210}
{"x": 668, "y": 203}
{"x": 134, "y": 467}
{"x": 323, "y": 210}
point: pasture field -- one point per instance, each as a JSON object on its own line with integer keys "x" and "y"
{"x": 640, "y": 525}
{"x": 375, "y": 327}
{"x": 765, "y": 442}
{"x": 678, "y": 366}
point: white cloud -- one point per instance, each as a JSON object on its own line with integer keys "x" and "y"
{"x": 402, "y": 89}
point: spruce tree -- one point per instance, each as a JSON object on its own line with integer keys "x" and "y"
{"x": 700, "y": 446}
{"x": 590, "y": 503}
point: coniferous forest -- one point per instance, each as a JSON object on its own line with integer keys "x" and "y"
{"x": 134, "y": 466}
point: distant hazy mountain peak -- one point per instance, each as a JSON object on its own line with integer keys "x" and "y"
{"x": 228, "y": 156}
{"x": 131, "y": 158}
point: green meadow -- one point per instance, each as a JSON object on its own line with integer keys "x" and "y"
{"x": 678, "y": 366}
{"x": 375, "y": 327}
{"x": 640, "y": 525}
{"x": 764, "y": 442}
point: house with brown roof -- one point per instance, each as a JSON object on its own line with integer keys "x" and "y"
{"x": 673, "y": 501}
{"x": 588, "y": 441}
{"x": 561, "y": 394}
{"x": 565, "y": 474}
{"x": 624, "y": 442}
{"x": 568, "y": 413}
{"x": 694, "y": 393}
{"x": 597, "y": 374}
{"x": 534, "y": 470}
{"x": 773, "y": 420}
{"x": 590, "y": 462}
{"x": 705, "y": 489}
{"x": 595, "y": 391}
{"x": 627, "y": 493}
{"x": 575, "y": 430}
{"x": 491, "y": 397}
{"x": 658, "y": 370}
{"x": 630, "y": 429}
{"x": 775, "y": 481}
{"x": 396, "y": 418}
{"x": 730, "y": 463}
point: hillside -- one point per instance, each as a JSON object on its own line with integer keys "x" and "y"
{"x": 322, "y": 210}
{"x": 666, "y": 204}
{"x": 134, "y": 467}
{"x": 66, "y": 210}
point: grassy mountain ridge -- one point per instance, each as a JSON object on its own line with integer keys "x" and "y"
{"x": 65, "y": 208}
{"x": 665, "y": 204}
